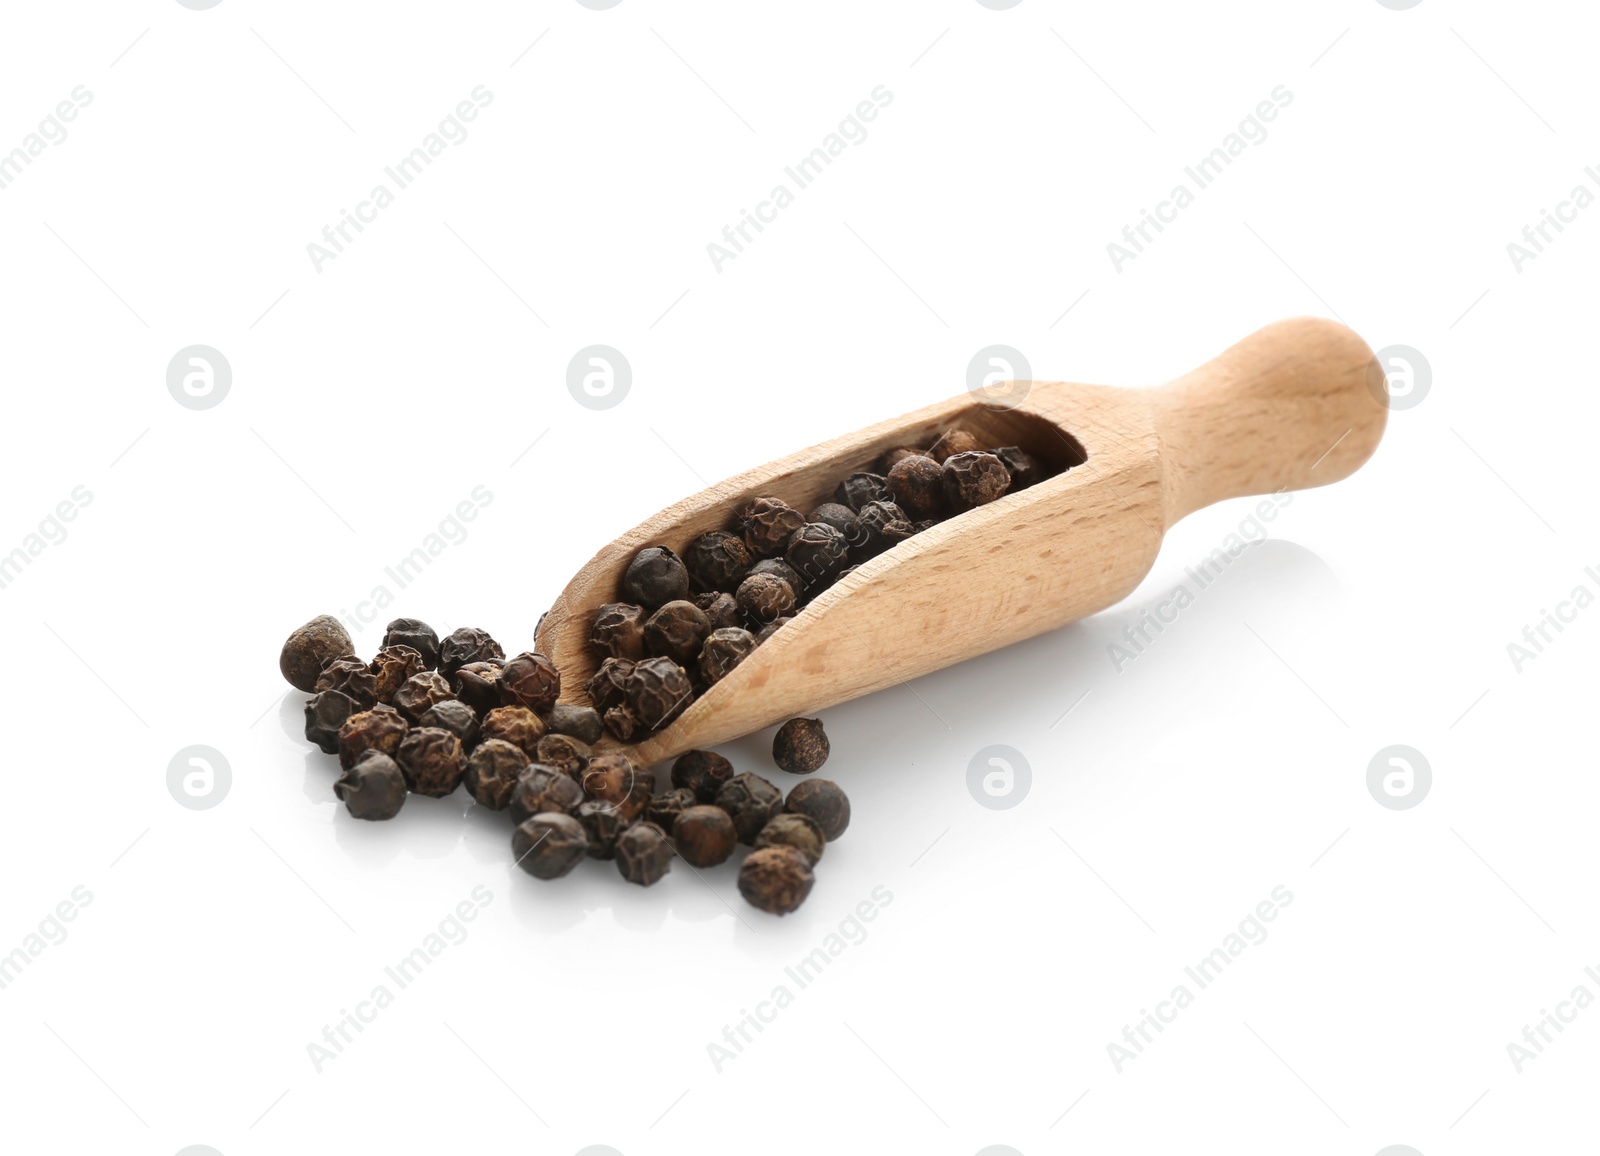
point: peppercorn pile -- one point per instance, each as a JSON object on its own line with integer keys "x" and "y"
{"x": 683, "y": 623}
{"x": 427, "y": 715}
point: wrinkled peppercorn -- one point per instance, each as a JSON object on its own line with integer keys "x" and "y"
{"x": 325, "y": 714}
{"x": 391, "y": 666}
{"x": 883, "y": 526}
{"x": 468, "y": 644}
{"x": 421, "y": 691}
{"x": 817, "y": 552}
{"x": 705, "y": 835}
{"x": 602, "y": 823}
{"x": 716, "y": 561}
{"x": 767, "y": 524}
{"x": 374, "y": 788}
{"x": 613, "y": 779}
{"x": 772, "y": 627}
{"x": 763, "y": 597}
{"x": 351, "y": 676}
{"x": 581, "y": 722}
{"x": 917, "y": 484}
{"x": 677, "y": 631}
{"x": 454, "y": 716}
{"x": 563, "y": 752}
{"x": 860, "y": 489}
{"x": 619, "y": 630}
{"x": 892, "y": 458}
{"x": 974, "y": 479}
{"x": 750, "y": 801}
{"x": 724, "y": 650}
{"x": 644, "y": 854}
{"x": 515, "y": 724}
{"x": 418, "y": 635}
{"x": 622, "y": 725}
{"x": 549, "y": 846}
{"x": 792, "y": 829}
{"x": 1024, "y": 468}
{"x": 663, "y": 809}
{"x": 493, "y": 769}
{"x": 655, "y": 577}
{"x": 956, "y": 441}
{"x": 775, "y": 879}
{"x": 478, "y": 684}
{"x": 608, "y": 686}
{"x": 431, "y": 759}
{"x": 656, "y": 692}
{"x": 721, "y": 609}
{"x": 540, "y": 789}
{"x": 312, "y": 647}
{"x": 530, "y": 680}
{"x": 378, "y": 729}
{"x": 824, "y": 802}
{"x": 778, "y": 568}
{"x": 702, "y": 772}
{"x": 841, "y": 518}
{"x": 800, "y": 746}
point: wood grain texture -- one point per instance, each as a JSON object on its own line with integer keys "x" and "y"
{"x": 1292, "y": 406}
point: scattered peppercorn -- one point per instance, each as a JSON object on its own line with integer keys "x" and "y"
{"x": 656, "y": 692}
{"x": 750, "y": 801}
{"x": 602, "y": 823}
{"x": 493, "y": 769}
{"x": 581, "y": 722}
{"x": 655, "y": 577}
{"x": 724, "y": 650}
{"x": 607, "y": 687}
{"x": 677, "y": 631}
{"x": 540, "y": 789}
{"x": 792, "y": 829}
{"x": 613, "y": 778}
{"x": 312, "y": 647}
{"x": 702, "y": 772}
{"x": 549, "y": 846}
{"x": 352, "y": 676}
{"x": 563, "y": 752}
{"x": 454, "y": 716}
{"x": 663, "y": 809}
{"x": 325, "y": 714}
{"x": 421, "y": 691}
{"x": 705, "y": 835}
{"x": 619, "y": 630}
{"x": 530, "y": 680}
{"x": 418, "y": 635}
{"x": 478, "y": 684}
{"x": 431, "y": 760}
{"x": 716, "y": 561}
{"x": 775, "y": 879}
{"x": 823, "y": 801}
{"x": 378, "y": 729}
{"x": 374, "y": 788}
{"x": 517, "y": 725}
{"x": 391, "y": 666}
{"x": 468, "y": 644}
{"x": 974, "y": 479}
{"x": 800, "y": 746}
{"x": 644, "y": 854}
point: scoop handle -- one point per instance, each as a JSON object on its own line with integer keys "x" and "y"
{"x": 1298, "y": 404}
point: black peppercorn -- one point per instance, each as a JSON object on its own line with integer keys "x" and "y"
{"x": 956, "y": 441}
{"x": 767, "y": 524}
{"x": 602, "y": 823}
{"x": 721, "y": 609}
{"x": 859, "y": 489}
{"x": 549, "y": 846}
{"x": 493, "y": 769}
{"x": 775, "y": 879}
{"x": 663, "y": 809}
{"x": 778, "y": 568}
{"x": 716, "y": 561}
{"x": 421, "y": 691}
{"x": 894, "y": 457}
{"x": 418, "y": 635}
{"x": 530, "y": 680}
{"x": 817, "y": 552}
{"x": 750, "y": 801}
{"x": 883, "y": 526}
{"x": 312, "y": 647}
{"x": 824, "y": 802}
{"x": 431, "y": 760}
{"x": 792, "y": 829}
{"x": 763, "y": 597}
{"x": 621, "y": 724}
{"x": 517, "y": 725}
{"x": 702, "y": 772}
{"x": 974, "y": 479}
{"x": 478, "y": 684}
{"x": 677, "y": 631}
{"x": 705, "y": 835}
{"x": 724, "y": 650}
{"x": 378, "y": 729}
{"x": 613, "y": 779}
{"x": 917, "y": 485}
{"x": 325, "y": 714}
{"x": 391, "y": 666}
{"x": 800, "y": 746}
{"x": 563, "y": 752}
{"x": 468, "y": 644}
{"x": 644, "y": 854}
{"x": 608, "y": 686}
{"x": 540, "y": 789}
{"x": 772, "y": 627}
{"x": 581, "y": 722}
{"x": 374, "y": 788}
{"x": 352, "y": 676}
{"x": 619, "y": 630}
{"x": 841, "y": 518}
{"x": 1024, "y": 468}
{"x": 655, "y": 577}
{"x": 454, "y": 716}
{"x": 657, "y": 691}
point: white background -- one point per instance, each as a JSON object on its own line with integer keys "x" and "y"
{"x": 371, "y": 397}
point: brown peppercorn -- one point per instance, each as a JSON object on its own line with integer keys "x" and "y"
{"x": 800, "y": 746}
{"x": 817, "y": 552}
{"x": 602, "y": 823}
{"x": 657, "y": 692}
{"x": 468, "y": 644}
{"x": 778, "y": 568}
{"x": 549, "y": 846}
{"x": 374, "y": 788}
{"x": 841, "y": 518}
{"x": 894, "y": 457}
{"x": 351, "y": 676}
{"x": 378, "y": 729}
{"x": 326, "y": 712}
{"x": 1024, "y": 468}
{"x": 702, "y": 772}
{"x": 613, "y": 778}
{"x": 312, "y": 647}
{"x": 608, "y": 686}
{"x": 391, "y": 666}
{"x": 421, "y": 691}
{"x": 540, "y": 789}
{"x": 767, "y": 524}
{"x": 917, "y": 484}
{"x": 763, "y": 597}
{"x": 530, "y": 680}
{"x": 478, "y": 684}
{"x": 859, "y": 489}
{"x": 431, "y": 759}
{"x": 454, "y": 716}
{"x": 724, "y": 650}
{"x": 705, "y": 835}
{"x": 824, "y": 802}
{"x": 663, "y": 809}
{"x": 418, "y": 635}
{"x": 792, "y": 829}
{"x": 677, "y": 631}
{"x": 955, "y": 441}
{"x": 619, "y": 630}
{"x": 563, "y": 752}
{"x": 772, "y": 628}
{"x": 775, "y": 879}
{"x": 721, "y": 609}
{"x": 581, "y": 722}
{"x": 716, "y": 561}
{"x": 516, "y": 725}
{"x": 655, "y": 577}
{"x": 974, "y": 479}
{"x": 622, "y": 725}
{"x": 493, "y": 769}
{"x": 750, "y": 801}
{"x": 644, "y": 854}
{"x": 883, "y": 526}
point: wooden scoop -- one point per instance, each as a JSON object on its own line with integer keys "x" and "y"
{"x": 1298, "y": 404}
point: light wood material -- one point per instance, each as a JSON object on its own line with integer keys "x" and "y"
{"x": 1294, "y": 405}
